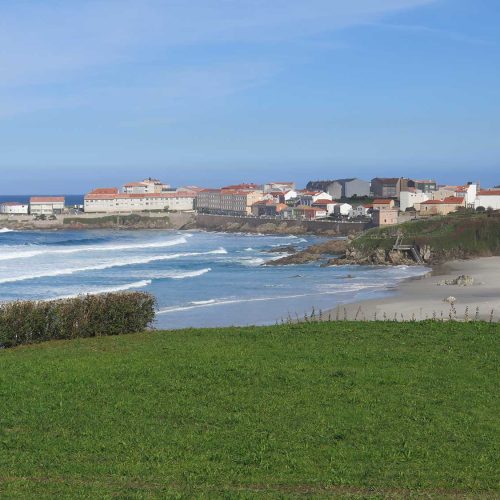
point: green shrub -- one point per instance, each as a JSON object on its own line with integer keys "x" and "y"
{"x": 27, "y": 322}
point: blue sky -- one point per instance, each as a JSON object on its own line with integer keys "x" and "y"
{"x": 95, "y": 93}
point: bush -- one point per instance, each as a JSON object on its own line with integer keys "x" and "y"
{"x": 28, "y": 322}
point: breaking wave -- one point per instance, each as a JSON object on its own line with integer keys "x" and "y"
{"x": 107, "y": 265}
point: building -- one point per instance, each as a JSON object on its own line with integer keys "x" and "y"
{"x": 385, "y": 217}
{"x": 442, "y": 207}
{"x": 342, "y": 209}
{"x": 146, "y": 186}
{"x": 412, "y": 199}
{"x": 390, "y": 187}
{"x": 341, "y": 188}
{"x": 110, "y": 200}
{"x": 361, "y": 211}
{"x": 426, "y": 185}
{"x": 14, "y": 208}
{"x": 46, "y": 205}
{"x": 380, "y": 204}
{"x": 279, "y": 186}
{"x": 283, "y": 196}
{"x": 228, "y": 201}
{"x": 268, "y": 208}
{"x": 468, "y": 192}
{"x": 310, "y": 197}
{"x": 325, "y": 204}
{"x": 488, "y": 199}
{"x": 306, "y": 212}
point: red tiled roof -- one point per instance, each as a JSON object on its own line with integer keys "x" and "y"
{"x": 382, "y": 202}
{"x": 117, "y": 196}
{"x": 453, "y": 200}
{"x": 489, "y": 192}
{"x": 104, "y": 191}
{"x": 12, "y": 204}
{"x": 135, "y": 184}
{"x": 47, "y": 199}
{"x": 323, "y": 202}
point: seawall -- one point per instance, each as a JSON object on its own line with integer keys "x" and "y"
{"x": 276, "y": 226}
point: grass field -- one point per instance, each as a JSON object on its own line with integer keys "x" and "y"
{"x": 345, "y": 409}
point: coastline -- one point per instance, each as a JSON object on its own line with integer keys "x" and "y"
{"x": 422, "y": 298}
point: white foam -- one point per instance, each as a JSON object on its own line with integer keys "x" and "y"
{"x": 179, "y": 275}
{"x": 96, "y": 248}
{"x": 107, "y": 265}
{"x": 100, "y": 291}
{"x": 6, "y": 230}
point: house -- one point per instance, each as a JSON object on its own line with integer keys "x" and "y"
{"x": 361, "y": 211}
{"x": 282, "y": 196}
{"x": 309, "y": 197}
{"x": 341, "y": 188}
{"x": 488, "y": 199}
{"x": 385, "y": 217}
{"x": 307, "y": 212}
{"x": 46, "y": 205}
{"x": 268, "y": 208}
{"x": 14, "y": 208}
{"x": 468, "y": 192}
{"x": 325, "y": 204}
{"x": 390, "y": 187}
{"x": 379, "y": 204}
{"x": 412, "y": 199}
{"x": 342, "y": 209}
{"x": 443, "y": 192}
{"x": 110, "y": 200}
{"x": 442, "y": 207}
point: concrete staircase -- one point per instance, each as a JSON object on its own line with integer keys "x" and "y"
{"x": 408, "y": 248}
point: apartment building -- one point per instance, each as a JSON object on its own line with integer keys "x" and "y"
{"x": 390, "y": 187}
{"x": 110, "y": 200}
{"x": 231, "y": 200}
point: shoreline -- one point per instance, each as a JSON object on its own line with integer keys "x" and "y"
{"x": 421, "y": 298}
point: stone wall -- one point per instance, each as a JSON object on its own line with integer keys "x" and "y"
{"x": 276, "y": 226}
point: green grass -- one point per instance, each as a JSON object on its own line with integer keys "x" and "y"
{"x": 455, "y": 235}
{"x": 345, "y": 409}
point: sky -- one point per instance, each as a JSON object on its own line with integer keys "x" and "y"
{"x": 213, "y": 92}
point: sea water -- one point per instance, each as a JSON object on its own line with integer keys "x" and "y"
{"x": 198, "y": 278}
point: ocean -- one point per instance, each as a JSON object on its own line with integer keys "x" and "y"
{"x": 200, "y": 279}
{"x": 71, "y": 199}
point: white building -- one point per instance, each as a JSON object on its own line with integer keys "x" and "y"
{"x": 310, "y": 197}
{"x": 360, "y": 211}
{"x": 145, "y": 187}
{"x": 46, "y": 205}
{"x": 112, "y": 201}
{"x": 488, "y": 199}
{"x": 343, "y": 209}
{"x": 14, "y": 208}
{"x": 469, "y": 192}
{"x": 410, "y": 199}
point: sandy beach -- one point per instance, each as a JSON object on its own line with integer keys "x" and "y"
{"x": 423, "y": 298}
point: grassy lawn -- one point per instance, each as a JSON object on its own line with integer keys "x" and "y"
{"x": 344, "y": 409}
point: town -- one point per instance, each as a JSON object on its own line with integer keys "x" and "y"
{"x": 381, "y": 201}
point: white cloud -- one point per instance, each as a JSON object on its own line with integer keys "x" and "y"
{"x": 78, "y": 44}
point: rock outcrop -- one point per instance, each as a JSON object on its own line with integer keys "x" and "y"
{"x": 314, "y": 253}
{"x": 462, "y": 280}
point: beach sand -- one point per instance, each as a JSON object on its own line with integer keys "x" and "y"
{"x": 422, "y": 298}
